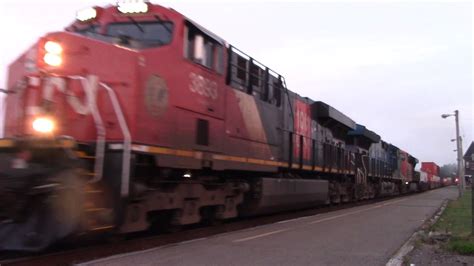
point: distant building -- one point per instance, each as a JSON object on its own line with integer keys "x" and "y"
{"x": 469, "y": 160}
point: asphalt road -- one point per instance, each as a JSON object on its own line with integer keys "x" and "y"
{"x": 366, "y": 235}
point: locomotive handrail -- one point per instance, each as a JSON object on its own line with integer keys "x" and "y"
{"x": 101, "y": 133}
{"x": 99, "y": 124}
{"x": 283, "y": 82}
{"x": 127, "y": 140}
{"x": 262, "y": 75}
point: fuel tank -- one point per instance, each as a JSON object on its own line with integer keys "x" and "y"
{"x": 269, "y": 195}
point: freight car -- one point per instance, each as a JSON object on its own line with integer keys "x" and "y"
{"x": 137, "y": 117}
{"x": 428, "y": 177}
{"x": 432, "y": 172}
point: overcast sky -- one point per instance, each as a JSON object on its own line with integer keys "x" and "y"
{"x": 392, "y": 66}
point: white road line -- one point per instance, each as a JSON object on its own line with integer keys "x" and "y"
{"x": 343, "y": 215}
{"x": 191, "y": 241}
{"x": 393, "y": 202}
{"x": 139, "y": 252}
{"x": 355, "y": 212}
{"x": 258, "y": 236}
{"x": 317, "y": 221}
{"x": 296, "y": 219}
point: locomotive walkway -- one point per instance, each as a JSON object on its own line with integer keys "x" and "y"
{"x": 365, "y": 235}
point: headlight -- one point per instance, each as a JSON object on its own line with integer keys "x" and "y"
{"x": 53, "y": 59}
{"x": 53, "y": 47}
{"x": 132, "y": 6}
{"x": 53, "y": 55}
{"x": 86, "y": 14}
{"x": 43, "y": 125}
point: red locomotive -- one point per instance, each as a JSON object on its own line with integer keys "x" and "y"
{"x": 137, "y": 117}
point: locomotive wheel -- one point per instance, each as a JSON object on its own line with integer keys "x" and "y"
{"x": 52, "y": 216}
{"x": 162, "y": 222}
{"x": 208, "y": 216}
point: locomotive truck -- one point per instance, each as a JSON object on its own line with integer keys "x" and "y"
{"x": 135, "y": 117}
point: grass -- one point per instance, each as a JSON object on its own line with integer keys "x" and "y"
{"x": 463, "y": 246}
{"x": 456, "y": 219}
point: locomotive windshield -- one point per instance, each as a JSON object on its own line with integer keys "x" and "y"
{"x": 148, "y": 33}
{"x": 91, "y": 29}
{"x": 133, "y": 34}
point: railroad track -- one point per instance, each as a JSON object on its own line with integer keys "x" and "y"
{"x": 109, "y": 246}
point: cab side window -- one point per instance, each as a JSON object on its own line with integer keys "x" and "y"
{"x": 202, "y": 49}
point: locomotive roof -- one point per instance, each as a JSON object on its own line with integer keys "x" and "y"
{"x": 322, "y": 110}
{"x": 206, "y": 31}
{"x": 412, "y": 159}
{"x": 362, "y": 131}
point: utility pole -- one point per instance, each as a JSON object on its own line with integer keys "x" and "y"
{"x": 460, "y": 171}
{"x": 459, "y": 150}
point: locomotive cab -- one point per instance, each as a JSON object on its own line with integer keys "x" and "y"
{"x": 112, "y": 46}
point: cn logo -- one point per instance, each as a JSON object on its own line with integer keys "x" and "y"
{"x": 303, "y": 122}
{"x": 203, "y": 86}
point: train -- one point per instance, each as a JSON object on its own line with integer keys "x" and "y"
{"x": 135, "y": 117}
{"x": 429, "y": 176}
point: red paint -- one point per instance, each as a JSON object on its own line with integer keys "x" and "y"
{"x": 302, "y": 127}
{"x": 404, "y": 165}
